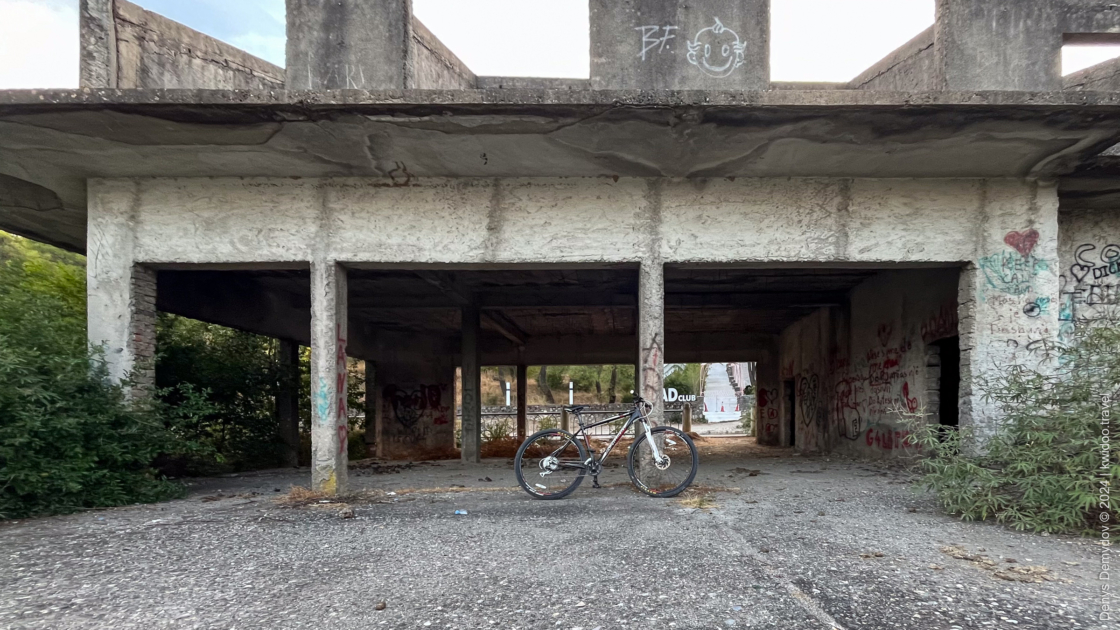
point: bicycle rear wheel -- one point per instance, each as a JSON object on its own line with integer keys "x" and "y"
{"x": 673, "y": 473}
{"x": 549, "y": 464}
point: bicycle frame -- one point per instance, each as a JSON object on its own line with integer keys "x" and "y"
{"x": 636, "y": 415}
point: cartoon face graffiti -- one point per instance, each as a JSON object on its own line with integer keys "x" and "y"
{"x": 717, "y": 50}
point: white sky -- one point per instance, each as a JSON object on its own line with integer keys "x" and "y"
{"x": 811, "y": 40}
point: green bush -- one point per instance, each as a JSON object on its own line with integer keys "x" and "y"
{"x": 685, "y": 378}
{"x": 68, "y": 439}
{"x": 1043, "y": 469}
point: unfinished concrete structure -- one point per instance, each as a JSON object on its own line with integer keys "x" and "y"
{"x": 874, "y": 246}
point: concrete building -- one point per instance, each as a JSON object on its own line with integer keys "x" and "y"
{"x": 873, "y": 246}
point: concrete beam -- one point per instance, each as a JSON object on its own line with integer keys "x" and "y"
{"x": 330, "y": 425}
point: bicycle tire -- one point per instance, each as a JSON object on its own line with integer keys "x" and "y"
{"x": 672, "y": 491}
{"x": 532, "y": 489}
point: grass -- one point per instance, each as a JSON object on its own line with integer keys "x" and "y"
{"x": 698, "y": 501}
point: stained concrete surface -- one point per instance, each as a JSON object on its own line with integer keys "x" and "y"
{"x": 782, "y": 551}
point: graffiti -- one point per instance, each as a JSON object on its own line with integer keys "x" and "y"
{"x": 1095, "y": 283}
{"x": 716, "y": 50}
{"x": 888, "y": 439}
{"x": 787, "y": 370}
{"x": 322, "y": 401}
{"x": 651, "y": 369}
{"x": 1022, "y": 242}
{"x": 1037, "y": 307}
{"x": 1011, "y": 273}
{"x": 941, "y": 325}
{"x": 771, "y": 429}
{"x": 768, "y": 403}
{"x": 848, "y": 399}
{"x": 416, "y": 409}
{"x": 885, "y": 366}
{"x": 654, "y": 36}
{"x": 911, "y": 403}
{"x": 341, "y": 375}
{"x": 807, "y": 392}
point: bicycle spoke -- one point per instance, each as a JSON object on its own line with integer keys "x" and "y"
{"x": 672, "y": 473}
{"x": 550, "y": 464}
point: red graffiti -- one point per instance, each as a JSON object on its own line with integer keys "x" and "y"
{"x": 888, "y": 439}
{"x": 1023, "y": 242}
{"x": 787, "y": 370}
{"x": 341, "y": 375}
{"x": 771, "y": 429}
{"x": 911, "y": 403}
{"x": 941, "y": 325}
{"x": 343, "y": 438}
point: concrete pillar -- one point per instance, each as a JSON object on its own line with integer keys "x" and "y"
{"x": 677, "y": 45}
{"x": 121, "y": 295}
{"x": 651, "y": 335}
{"x": 287, "y": 400}
{"x": 686, "y": 418}
{"x": 472, "y": 386}
{"x": 1009, "y": 297}
{"x": 349, "y": 44}
{"x": 330, "y": 424}
{"x": 769, "y": 428}
{"x": 370, "y": 401}
{"x": 98, "y": 58}
{"x": 522, "y": 401}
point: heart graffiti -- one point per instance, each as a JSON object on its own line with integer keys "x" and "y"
{"x": 1023, "y": 242}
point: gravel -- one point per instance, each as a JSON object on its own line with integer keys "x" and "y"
{"x": 805, "y": 542}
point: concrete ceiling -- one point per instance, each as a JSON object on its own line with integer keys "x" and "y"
{"x": 52, "y": 142}
{"x": 555, "y": 315}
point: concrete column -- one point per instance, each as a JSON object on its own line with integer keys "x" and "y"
{"x": 287, "y": 400}
{"x": 371, "y": 437}
{"x": 1009, "y": 297}
{"x": 472, "y": 386}
{"x": 768, "y": 403}
{"x": 330, "y": 425}
{"x": 98, "y": 60}
{"x": 651, "y": 335}
{"x": 522, "y": 401}
{"x": 349, "y": 44}
{"x": 121, "y": 295}
{"x": 686, "y": 418}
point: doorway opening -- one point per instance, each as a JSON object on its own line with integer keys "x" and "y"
{"x": 790, "y": 409}
{"x": 950, "y": 381}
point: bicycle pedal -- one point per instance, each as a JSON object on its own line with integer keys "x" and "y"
{"x": 595, "y": 482}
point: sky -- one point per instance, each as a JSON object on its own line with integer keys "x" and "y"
{"x": 811, "y": 40}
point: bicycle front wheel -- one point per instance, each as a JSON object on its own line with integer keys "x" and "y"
{"x": 549, "y": 465}
{"x": 676, "y": 469}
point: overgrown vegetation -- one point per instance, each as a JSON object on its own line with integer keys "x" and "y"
{"x": 1044, "y": 469}
{"x": 68, "y": 439}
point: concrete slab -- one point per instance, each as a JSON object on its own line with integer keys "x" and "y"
{"x": 804, "y": 543}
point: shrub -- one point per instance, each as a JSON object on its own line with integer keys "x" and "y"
{"x": 496, "y": 431}
{"x": 68, "y": 439}
{"x": 1043, "y": 469}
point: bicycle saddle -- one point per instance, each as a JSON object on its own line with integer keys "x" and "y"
{"x": 575, "y": 408}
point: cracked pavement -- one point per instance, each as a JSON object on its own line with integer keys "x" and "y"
{"x": 804, "y": 542}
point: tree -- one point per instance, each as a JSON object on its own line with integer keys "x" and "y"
{"x": 542, "y": 384}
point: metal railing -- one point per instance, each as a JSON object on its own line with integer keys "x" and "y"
{"x": 496, "y": 421}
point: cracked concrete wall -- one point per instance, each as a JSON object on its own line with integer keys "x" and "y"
{"x": 415, "y": 405}
{"x": 498, "y": 221}
{"x": 985, "y": 45}
{"x": 1089, "y": 257}
{"x": 436, "y": 67}
{"x": 910, "y": 68}
{"x": 1004, "y": 230}
{"x": 127, "y": 47}
{"x": 1103, "y": 77}
{"x": 855, "y": 368}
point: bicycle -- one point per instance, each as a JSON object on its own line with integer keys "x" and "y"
{"x": 662, "y": 461}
